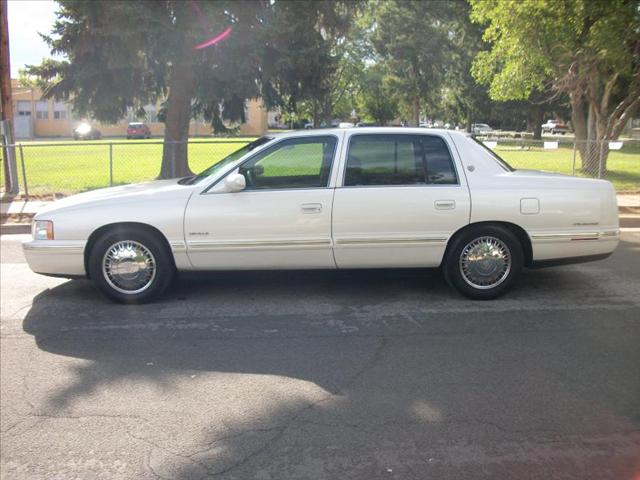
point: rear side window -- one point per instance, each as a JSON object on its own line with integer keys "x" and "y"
{"x": 393, "y": 159}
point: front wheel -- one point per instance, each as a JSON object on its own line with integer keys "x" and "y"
{"x": 484, "y": 262}
{"x": 131, "y": 266}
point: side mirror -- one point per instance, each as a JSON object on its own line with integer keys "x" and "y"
{"x": 235, "y": 182}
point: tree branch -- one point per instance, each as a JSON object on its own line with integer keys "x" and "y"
{"x": 608, "y": 86}
{"x": 622, "y": 110}
{"x": 624, "y": 118}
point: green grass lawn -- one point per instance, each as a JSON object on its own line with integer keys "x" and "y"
{"x": 71, "y": 167}
{"x": 74, "y": 167}
{"x": 623, "y": 166}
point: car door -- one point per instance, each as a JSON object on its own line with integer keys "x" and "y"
{"x": 402, "y": 197}
{"x": 282, "y": 219}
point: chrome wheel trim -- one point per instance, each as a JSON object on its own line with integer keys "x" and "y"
{"x": 129, "y": 267}
{"x": 485, "y": 262}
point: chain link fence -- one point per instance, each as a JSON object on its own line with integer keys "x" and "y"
{"x": 618, "y": 162}
{"x": 55, "y": 169}
{"x": 59, "y": 169}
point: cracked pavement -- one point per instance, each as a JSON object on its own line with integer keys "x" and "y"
{"x": 323, "y": 375}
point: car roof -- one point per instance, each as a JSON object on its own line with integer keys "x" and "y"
{"x": 378, "y": 130}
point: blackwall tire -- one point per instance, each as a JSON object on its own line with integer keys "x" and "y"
{"x": 484, "y": 262}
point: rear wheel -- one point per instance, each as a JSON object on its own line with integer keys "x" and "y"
{"x": 484, "y": 262}
{"x": 131, "y": 266}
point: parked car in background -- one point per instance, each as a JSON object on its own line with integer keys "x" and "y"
{"x": 554, "y": 126}
{"x": 345, "y": 125}
{"x": 335, "y": 199}
{"x": 85, "y": 131}
{"x": 480, "y": 129}
{"x": 138, "y": 130}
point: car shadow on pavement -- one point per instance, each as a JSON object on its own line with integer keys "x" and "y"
{"x": 337, "y": 368}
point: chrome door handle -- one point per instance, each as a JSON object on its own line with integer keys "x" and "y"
{"x": 445, "y": 204}
{"x": 311, "y": 207}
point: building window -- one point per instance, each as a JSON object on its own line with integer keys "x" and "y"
{"x": 24, "y": 108}
{"x": 60, "y": 111}
{"x": 42, "y": 110}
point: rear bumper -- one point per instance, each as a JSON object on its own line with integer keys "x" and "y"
{"x": 575, "y": 247}
{"x": 55, "y": 258}
{"x": 569, "y": 260}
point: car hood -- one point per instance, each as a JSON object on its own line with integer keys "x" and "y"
{"x": 118, "y": 194}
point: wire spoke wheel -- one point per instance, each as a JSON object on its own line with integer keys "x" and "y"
{"x": 129, "y": 267}
{"x": 485, "y": 262}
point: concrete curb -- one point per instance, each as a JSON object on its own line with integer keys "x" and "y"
{"x": 629, "y": 221}
{"x": 15, "y": 228}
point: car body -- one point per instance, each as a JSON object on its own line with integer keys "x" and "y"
{"x": 481, "y": 129}
{"x": 138, "y": 130}
{"x": 332, "y": 199}
{"x": 555, "y": 126}
{"x": 86, "y": 131}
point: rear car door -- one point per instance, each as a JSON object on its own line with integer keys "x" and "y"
{"x": 401, "y": 197}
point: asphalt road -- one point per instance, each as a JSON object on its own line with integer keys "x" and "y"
{"x": 324, "y": 375}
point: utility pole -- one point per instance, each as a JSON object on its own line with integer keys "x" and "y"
{"x": 6, "y": 107}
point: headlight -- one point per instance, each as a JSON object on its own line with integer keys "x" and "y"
{"x": 43, "y": 230}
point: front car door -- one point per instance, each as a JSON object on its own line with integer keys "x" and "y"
{"x": 282, "y": 219}
{"x": 400, "y": 198}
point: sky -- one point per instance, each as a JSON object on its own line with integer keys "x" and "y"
{"x": 26, "y": 19}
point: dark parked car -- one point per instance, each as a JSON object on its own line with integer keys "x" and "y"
{"x": 84, "y": 131}
{"x": 138, "y": 130}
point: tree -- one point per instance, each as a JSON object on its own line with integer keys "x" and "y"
{"x": 310, "y": 57}
{"x": 123, "y": 55}
{"x": 412, "y": 38}
{"x": 588, "y": 50}
{"x": 376, "y": 98}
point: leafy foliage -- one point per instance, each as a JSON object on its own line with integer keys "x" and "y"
{"x": 586, "y": 49}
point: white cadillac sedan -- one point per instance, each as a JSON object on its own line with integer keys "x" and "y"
{"x": 347, "y": 198}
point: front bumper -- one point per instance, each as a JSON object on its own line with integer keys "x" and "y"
{"x": 61, "y": 258}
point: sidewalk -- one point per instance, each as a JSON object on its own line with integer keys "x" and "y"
{"x": 17, "y": 215}
{"x": 629, "y": 201}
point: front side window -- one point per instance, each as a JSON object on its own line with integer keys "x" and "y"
{"x": 391, "y": 159}
{"x": 229, "y": 159}
{"x": 293, "y": 163}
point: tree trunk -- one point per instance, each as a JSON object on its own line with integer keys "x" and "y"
{"x": 415, "y": 111}
{"x": 327, "y": 112}
{"x": 585, "y": 131}
{"x": 469, "y": 121}
{"x": 316, "y": 114}
{"x": 175, "y": 159}
{"x": 538, "y": 115}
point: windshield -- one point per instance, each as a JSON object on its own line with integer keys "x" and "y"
{"x": 226, "y": 161}
{"x": 495, "y": 156}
